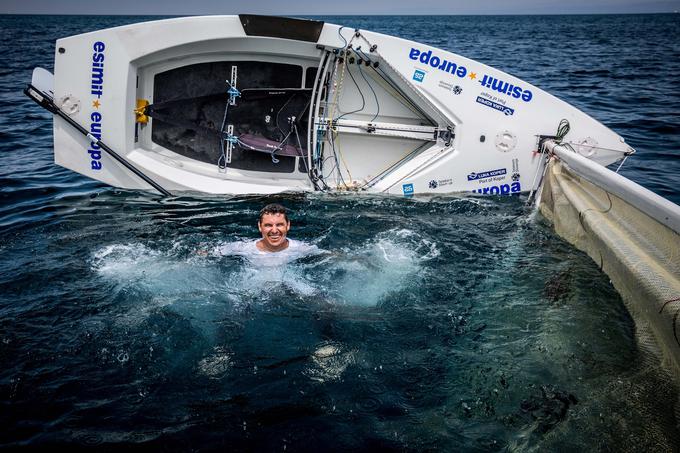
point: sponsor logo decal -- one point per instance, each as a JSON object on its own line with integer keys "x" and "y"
{"x": 437, "y": 62}
{"x": 502, "y": 87}
{"x": 408, "y": 189}
{"x": 96, "y": 89}
{"x": 439, "y": 183}
{"x": 486, "y": 174}
{"x": 515, "y": 169}
{"x": 503, "y": 189}
{"x": 496, "y": 106}
{"x": 455, "y": 89}
{"x": 419, "y": 75}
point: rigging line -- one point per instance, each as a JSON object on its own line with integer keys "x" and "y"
{"x": 332, "y": 169}
{"x": 171, "y": 102}
{"x": 302, "y": 156}
{"x": 300, "y": 115}
{"x": 377, "y": 104}
{"x": 384, "y": 76}
{"x": 677, "y": 299}
{"x": 675, "y": 327}
{"x": 342, "y": 37}
{"x": 248, "y": 93}
{"x": 223, "y": 155}
{"x": 341, "y": 79}
{"x": 383, "y": 173}
{"x": 279, "y": 113}
{"x": 396, "y": 95}
{"x": 562, "y": 130}
{"x": 583, "y": 145}
{"x": 435, "y": 156}
{"x": 363, "y": 99}
{"x": 321, "y": 85}
{"x": 335, "y": 156}
{"x": 338, "y": 151}
{"x": 622, "y": 162}
{"x": 582, "y": 214}
{"x": 534, "y": 186}
{"x": 341, "y": 59}
{"x": 331, "y": 138}
{"x": 284, "y": 106}
{"x": 411, "y": 105}
{"x": 320, "y": 74}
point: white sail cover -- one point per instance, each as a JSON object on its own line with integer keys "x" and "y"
{"x": 631, "y": 233}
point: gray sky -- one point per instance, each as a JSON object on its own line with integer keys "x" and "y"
{"x": 344, "y": 7}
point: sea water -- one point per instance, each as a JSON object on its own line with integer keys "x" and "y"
{"x": 454, "y": 323}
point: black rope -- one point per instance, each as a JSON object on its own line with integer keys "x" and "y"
{"x": 363, "y": 100}
{"x": 675, "y": 318}
{"x": 668, "y": 302}
{"x": 223, "y": 157}
{"x": 377, "y": 104}
{"x": 562, "y": 130}
{"x": 389, "y": 82}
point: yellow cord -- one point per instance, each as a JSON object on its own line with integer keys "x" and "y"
{"x": 332, "y": 114}
{"x": 335, "y": 142}
{"x": 338, "y": 89}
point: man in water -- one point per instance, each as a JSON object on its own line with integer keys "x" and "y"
{"x": 274, "y": 247}
{"x": 266, "y": 258}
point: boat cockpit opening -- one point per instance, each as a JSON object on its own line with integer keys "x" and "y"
{"x": 221, "y": 112}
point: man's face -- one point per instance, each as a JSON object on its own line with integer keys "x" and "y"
{"x": 274, "y": 229}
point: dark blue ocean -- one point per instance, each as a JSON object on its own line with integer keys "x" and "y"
{"x": 458, "y": 323}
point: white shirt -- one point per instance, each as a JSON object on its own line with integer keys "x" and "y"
{"x": 249, "y": 250}
{"x": 267, "y": 267}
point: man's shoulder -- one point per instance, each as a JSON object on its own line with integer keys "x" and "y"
{"x": 301, "y": 246}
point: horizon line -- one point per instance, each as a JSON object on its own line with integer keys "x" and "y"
{"x": 346, "y": 15}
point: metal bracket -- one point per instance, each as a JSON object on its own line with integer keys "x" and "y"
{"x": 446, "y": 135}
{"x": 230, "y": 143}
{"x": 233, "y": 92}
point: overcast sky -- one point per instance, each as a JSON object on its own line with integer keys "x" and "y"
{"x": 344, "y": 7}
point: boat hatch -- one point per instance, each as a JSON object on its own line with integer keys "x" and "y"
{"x": 252, "y": 102}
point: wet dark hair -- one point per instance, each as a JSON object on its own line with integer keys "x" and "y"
{"x": 273, "y": 208}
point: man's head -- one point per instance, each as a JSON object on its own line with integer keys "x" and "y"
{"x": 274, "y": 226}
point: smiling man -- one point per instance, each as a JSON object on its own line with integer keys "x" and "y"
{"x": 273, "y": 225}
{"x": 274, "y": 248}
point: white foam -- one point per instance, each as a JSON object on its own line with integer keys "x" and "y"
{"x": 363, "y": 275}
{"x": 368, "y": 274}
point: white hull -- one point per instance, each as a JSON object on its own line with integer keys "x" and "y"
{"x": 399, "y": 142}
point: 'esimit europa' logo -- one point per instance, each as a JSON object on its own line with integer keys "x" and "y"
{"x": 506, "y": 88}
{"x": 98, "y": 69}
{"x": 436, "y": 62}
{"x": 96, "y": 89}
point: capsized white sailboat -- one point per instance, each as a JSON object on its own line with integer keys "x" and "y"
{"x": 257, "y": 104}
